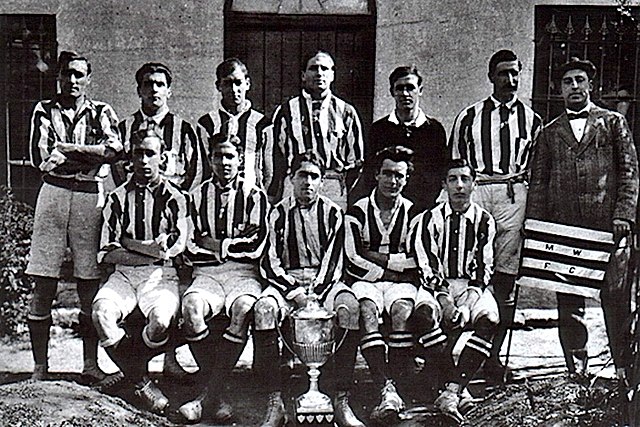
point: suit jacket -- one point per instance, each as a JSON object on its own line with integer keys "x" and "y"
{"x": 589, "y": 182}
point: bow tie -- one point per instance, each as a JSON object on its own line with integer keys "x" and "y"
{"x": 581, "y": 115}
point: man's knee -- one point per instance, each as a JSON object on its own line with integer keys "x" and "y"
{"x": 87, "y": 290}
{"x": 423, "y": 318}
{"x": 400, "y": 312}
{"x": 193, "y": 308}
{"x": 44, "y": 293}
{"x": 347, "y": 310}
{"x": 158, "y": 322}
{"x": 369, "y": 315}
{"x": 241, "y": 308}
{"x": 487, "y": 321}
{"x": 105, "y": 314}
{"x": 264, "y": 313}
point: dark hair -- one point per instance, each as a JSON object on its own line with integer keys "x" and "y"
{"x": 227, "y": 67}
{"x": 502, "y": 56}
{"x": 221, "y": 138}
{"x": 141, "y": 134}
{"x": 66, "y": 56}
{"x": 575, "y": 63}
{"x": 404, "y": 71}
{"x": 460, "y": 163}
{"x": 396, "y": 153}
{"x": 319, "y": 52}
{"x": 153, "y": 67}
{"x": 309, "y": 157}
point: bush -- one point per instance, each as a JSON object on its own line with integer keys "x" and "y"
{"x": 16, "y": 224}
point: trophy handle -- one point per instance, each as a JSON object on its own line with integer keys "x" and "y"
{"x": 281, "y": 316}
{"x": 346, "y": 331}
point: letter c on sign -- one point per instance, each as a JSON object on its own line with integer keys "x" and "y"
{"x": 572, "y": 269}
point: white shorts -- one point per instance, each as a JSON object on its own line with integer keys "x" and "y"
{"x": 384, "y": 294}
{"x": 485, "y": 306}
{"x": 221, "y": 285}
{"x": 148, "y": 287}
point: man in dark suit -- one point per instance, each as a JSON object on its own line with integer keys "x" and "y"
{"x": 585, "y": 173}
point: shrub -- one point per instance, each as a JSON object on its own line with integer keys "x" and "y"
{"x": 16, "y": 223}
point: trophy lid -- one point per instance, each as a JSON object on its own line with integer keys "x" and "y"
{"x": 313, "y": 311}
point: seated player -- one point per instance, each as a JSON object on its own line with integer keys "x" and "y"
{"x": 453, "y": 245}
{"x": 376, "y": 228}
{"x": 145, "y": 226}
{"x": 228, "y": 237}
{"x": 304, "y": 261}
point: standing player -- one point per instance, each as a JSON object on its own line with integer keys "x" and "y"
{"x": 72, "y": 139}
{"x": 228, "y": 236}
{"x": 496, "y": 135}
{"x": 304, "y": 261}
{"x": 408, "y": 126}
{"x": 317, "y": 121}
{"x": 145, "y": 227}
{"x": 236, "y": 117}
{"x": 376, "y": 229}
{"x": 183, "y": 159}
{"x": 453, "y": 245}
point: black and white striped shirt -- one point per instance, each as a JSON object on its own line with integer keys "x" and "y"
{"x": 364, "y": 230}
{"x": 157, "y": 212}
{"x": 495, "y": 138}
{"x": 299, "y": 237}
{"x": 452, "y": 245}
{"x": 333, "y": 131}
{"x": 224, "y": 213}
{"x": 184, "y": 160}
{"x": 249, "y": 125}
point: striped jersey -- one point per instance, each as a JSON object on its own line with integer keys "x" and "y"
{"x": 299, "y": 237}
{"x": 365, "y": 231}
{"x": 157, "y": 212}
{"x": 249, "y": 125}
{"x": 495, "y": 138}
{"x": 452, "y": 245}
{"x": 224, "y": 213}
{"x": 184, "y": 161}
{"x": 93, "y": 123}
{"x": 332, "y": 130}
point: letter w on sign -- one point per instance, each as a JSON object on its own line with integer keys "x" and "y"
{"x": 564, "y": 258}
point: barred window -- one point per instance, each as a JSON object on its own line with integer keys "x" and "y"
{"x": 607, "y": 36}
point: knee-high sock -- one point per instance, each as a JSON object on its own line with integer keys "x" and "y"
{"x": 373, "y": 349}
{"x": 267, "y": 359}
{"x": 503, "y": 285}
{"x": 39, "y": 335}
{"x": 229, "y": 351}
{"x": 401, "y": 354}
{"x": 476, "y": 350}
{"x": 345, "y": 359}
{"x": 432, "y": 345}
{"x": 130, "y": 356}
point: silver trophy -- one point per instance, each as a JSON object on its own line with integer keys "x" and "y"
{"x": 313, "y": 341}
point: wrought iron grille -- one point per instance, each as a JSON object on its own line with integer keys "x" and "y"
{"x": 607, "y": 36}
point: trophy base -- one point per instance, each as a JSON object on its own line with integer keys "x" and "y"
{"x": 314, "y": 410}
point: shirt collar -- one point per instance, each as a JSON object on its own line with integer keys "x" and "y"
{"x": 372, "y": 200}
{"x": 293, "y": 203}
{"x": 448, "y": 211}
{"x": 243, "y": 109}
{"x": 419, "y": 121}
{"x": 157, "y": 119}
{"x": 233, "y": 185}
{"x": 151, "y": 186}
{"x": 306, "y": 95}
{"x": 86, "y": 105}
{"x": 587, "y": 108}
{"x": 509, "y": 104}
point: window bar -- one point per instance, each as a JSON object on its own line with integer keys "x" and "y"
{"x": 553, "y": 31}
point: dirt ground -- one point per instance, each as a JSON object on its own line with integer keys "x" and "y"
{"x": 540, "y": 396}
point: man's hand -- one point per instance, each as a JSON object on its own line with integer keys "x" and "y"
{"x": 55, "y": 159}
{"x": 391, "y": 276}
{"x": 250, "y": 231}
{"x": 450, "y": 313}
{"x": 151, "y": 249}
{"x": 621, "y": 228}
{"x": 208, "y": 242}
{"x": 376, "y": 257}
{"x": 301, "y": 300}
